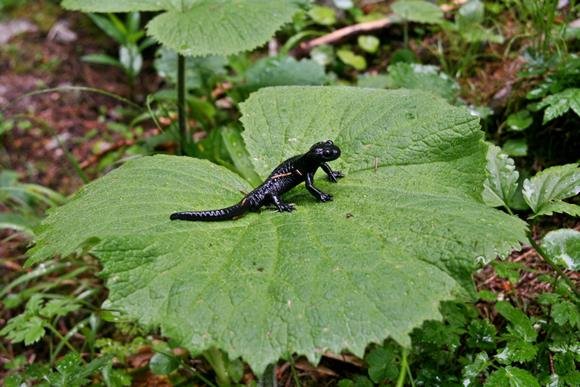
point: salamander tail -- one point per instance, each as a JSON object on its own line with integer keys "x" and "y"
{"x": 229, "y": 213}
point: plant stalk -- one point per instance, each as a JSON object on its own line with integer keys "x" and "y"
{"x": 406, "y": 34}
{"x": 268, "y": 378}
{"x": 404, "y": 367}
{"x": 182, "y": 121}
{"x": 216, "y": 359}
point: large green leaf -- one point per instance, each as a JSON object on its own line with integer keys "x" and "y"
{"x": 405, "y": 227}
{"x": 221, "y": 27}
{"x": 203, "y": 27}
{"x": 116, "y": 5}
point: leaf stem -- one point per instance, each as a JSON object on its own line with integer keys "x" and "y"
{"x": 81, "y": 88}
{"x": 404, "y": 367}
{"x": 294, "y": 373}
{"x": 268, "y": 378}
{"x": 61, "y": 338}
{"x": 216, "y": 359}
{"x": 406, "y": 33}
{"x": 183, "y": 131}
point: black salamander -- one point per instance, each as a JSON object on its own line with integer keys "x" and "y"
{"x": 286, "y": 176}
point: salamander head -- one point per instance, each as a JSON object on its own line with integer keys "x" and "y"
{"x": 325, "y": 151}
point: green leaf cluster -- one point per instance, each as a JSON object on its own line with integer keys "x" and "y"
{"x": 414, "y": 76}
{"x": 23, "y": 202}
{"x": 560, "y": 103}
{"x": 29, "y": 327}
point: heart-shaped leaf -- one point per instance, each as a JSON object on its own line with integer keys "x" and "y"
{"x": 405, "y": 227}
{"x": 203, "y": 27}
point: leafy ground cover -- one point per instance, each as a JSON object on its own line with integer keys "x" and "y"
{"x": 394, "y": 282}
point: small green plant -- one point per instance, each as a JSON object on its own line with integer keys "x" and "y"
{"x": 543, "y": 193}
{"x": 70, "y": 371}
{"x": 131, "y": 39}
{"x": 24, "y": 203}
{"x": 466, "y": 36}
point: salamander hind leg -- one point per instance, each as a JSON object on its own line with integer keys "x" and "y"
{"x": 280, "y": 205}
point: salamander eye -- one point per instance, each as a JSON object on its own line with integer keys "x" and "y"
{"x": 326, "y": 152}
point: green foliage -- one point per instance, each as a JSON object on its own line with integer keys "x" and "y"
{"x": 224, "y": 284}
{"x": 469, "y": 23}
{"x": 544, "y": 193}
{"x": 196, "y": 27}
{"x": 163, "y": 364}
{"x": 201, "y": 73}
{"x": 23, "y": 202}
{"x": 515, "y": 147}
{"x": 563, "y": 248}
{"x": 520, "y": 325}
{"x": 519, "y": 120}
{"x": 414, "y": 76}
{"x": 501, "y": 188}
{"x": 129, "y": 36}
{"x": 284, "y": 71}
{"x": 29, "y": 327}
{"x": 72, "y": 372}
{"x": 322, "y": 15}
{"x": 369, "y": 43}
{"x": 199, "y": 30}
{"x": 423, "y": 77}
{"x": 350, "y": 58}
{"x": 508, "y": 270}
{"x": 419, "y": 11}
{"x": 512, "y": 377}
{"x": 560, "y": 103}
{"x": 116, "y": 5}
{"x": 384, "y": 363}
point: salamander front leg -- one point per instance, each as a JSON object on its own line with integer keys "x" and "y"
{"x": 332, "y": 175}
{"x": 280, "y": 205}
{"x": 318, "y": 194}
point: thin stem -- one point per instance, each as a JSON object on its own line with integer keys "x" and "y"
{"x": 406, "y": 33}
{"x": 508, "y": 209}
{"x": 197, "y": 374}
{"x": 81, "y": 88}
{"x": 216, "y": 359}
{"x": 183, "y": 131}
{"x": 61, "y": 338}
{"x": 410, "y": 375}
{"x": 294, "y": 373}
{"x": 404, "y": 367}
{"x": 268, "y": 378}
